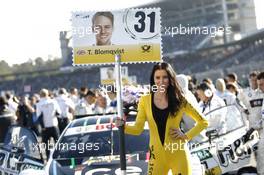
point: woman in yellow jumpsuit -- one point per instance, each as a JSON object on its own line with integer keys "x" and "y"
{"x": 163, "y": 109}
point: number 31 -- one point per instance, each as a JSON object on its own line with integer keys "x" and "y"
{"x": 141, "y": 27}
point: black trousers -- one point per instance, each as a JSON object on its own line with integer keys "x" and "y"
{"x": 63, "y": 122}
{"x": 47, "y": 133}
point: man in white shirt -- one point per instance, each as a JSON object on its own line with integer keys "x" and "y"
{"x": 12, "y": 105}
{"x": 253, "y": 82}
{"x": 102, "y": 106}
{"x": 67, "y": 109}
{"x": 229, "y": 95}
{"x": 247, "y": 92}
{"x": 232, "y": 78}
{"x": 254, "y": 100}
{"x": 227, "y": 92}
{"x": 74, "y": 96}
{"x": 86, "y": 104}
{"x": 260, "y": 152}
{"x": 48, "y": 109}
{"x": 209, "y": 102}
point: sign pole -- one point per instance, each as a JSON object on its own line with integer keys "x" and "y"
{"x": 120, "y": 114}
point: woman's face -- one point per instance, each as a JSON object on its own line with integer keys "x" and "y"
{"x": 161, "y": 79}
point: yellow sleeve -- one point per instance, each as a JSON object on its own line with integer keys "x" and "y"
{"x": 201, "y": 123}
{"x": 138, "y": 127}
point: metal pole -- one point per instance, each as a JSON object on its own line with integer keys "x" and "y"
{"x": 120, "y": 114}
{"x": 225, "y": 17}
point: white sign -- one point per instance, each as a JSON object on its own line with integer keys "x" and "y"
{"x": 132, "y": 33}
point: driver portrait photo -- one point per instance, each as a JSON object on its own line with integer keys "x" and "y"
{"x": 110, "y": 73}
{"x": 103, "y": 26}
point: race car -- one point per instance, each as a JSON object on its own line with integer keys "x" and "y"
{"x": 232, "y": 151}
{"x": 90, "y": 145}
{"x": 19, "y": 152}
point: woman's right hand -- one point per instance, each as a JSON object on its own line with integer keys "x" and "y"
{"x": 176, "y": 133}
{"x": 119, "y": 122}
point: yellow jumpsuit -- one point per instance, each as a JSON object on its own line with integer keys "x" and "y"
{"x": 174, "y": 154}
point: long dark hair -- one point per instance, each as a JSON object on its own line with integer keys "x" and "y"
{"x": 174, "y": 91}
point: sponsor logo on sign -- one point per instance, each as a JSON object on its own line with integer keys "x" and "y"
{"x": 146, "y": 48}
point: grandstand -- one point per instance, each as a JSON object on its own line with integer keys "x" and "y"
{"x": 241, "y": 57}
{"x": 199, "y": 55}
{"x": 189, "y": 14}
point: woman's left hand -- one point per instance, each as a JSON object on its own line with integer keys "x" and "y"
{"x": 176, "y": 133}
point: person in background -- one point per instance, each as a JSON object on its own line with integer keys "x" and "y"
{"x": 231, "y": 98}
{"x": 260, "y": 151}
{"x": 47, "y": 111}
{"x": 253, "y": 83}
{"x": 247, "y": 92}
{"x": 66, "y": 107}
{"x": 87, "y": 104}
{"x": 227, "y": 92}
{"x": 7, "y": 118}
{"x": 253, "y": 102}
{"x": 192, "y": 83}
{"x": 232, "y": 78}
{"x": 220, "y": 87}
{"x": 83, "y": 92}
{"x": 209, "y": 102}
{"x": 12, "y": 102}
{"x": 112, "y": 95}
{"x": 25, "y": 112}
{"x": 232, "y": 92}
{"x": 34, "y": 99}
{"x": 210, "y": 83}
{"x": 101, "y": 106}
{"x": 74, "y": 96}
{"x": 51, "y": 94}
